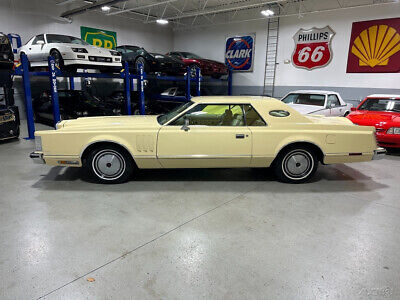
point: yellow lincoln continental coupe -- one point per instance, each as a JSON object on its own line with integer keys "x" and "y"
{"x": 208, "y": 132}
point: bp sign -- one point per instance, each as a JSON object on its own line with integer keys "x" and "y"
{"x": 99, "y": 37}
{"x": 239, "y": 52}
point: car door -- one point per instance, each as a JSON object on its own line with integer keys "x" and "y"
{"x": 35, "y": 49}
{"x": 334, "y": 105}
{"x": 207, "y": 136}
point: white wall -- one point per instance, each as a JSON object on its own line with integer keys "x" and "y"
{"x": 31, "y": 17}
{"x": 333, "y": 75}
{"x": 209, "y": 42}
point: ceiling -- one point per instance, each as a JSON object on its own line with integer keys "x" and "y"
{"x": 186, "y": 14}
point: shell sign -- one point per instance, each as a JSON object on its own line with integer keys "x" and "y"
{"x": 375, "y": 47}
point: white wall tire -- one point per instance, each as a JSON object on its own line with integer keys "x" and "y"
{"x": 296, "y": 164}
{"x": 109, "y": 164}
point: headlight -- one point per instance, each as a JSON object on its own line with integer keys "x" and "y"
{"x": 116, "y": 111}
{"x": 38, "y": 143}
{"x": 80, "y": 50}
{"x": 393, "y": 130}
{"x": 115, "y": 53}
{"x": 85, "y": 113}
{"x": 79, "y": 113}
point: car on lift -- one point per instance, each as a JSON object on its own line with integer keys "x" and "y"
{"x": 69, "y": 53}
{"x": 208, "y": 67}
{"x": 151, "y": 62}
{"x": 382, "y": 112}
{"x": 6, "y": 53}
{"x": 9, "y": 122}
{"x": 208, "y": 132}
{"x": 316, "y": 102}
{"x": 73, "y": 104}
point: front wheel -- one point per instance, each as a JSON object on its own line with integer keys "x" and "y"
{"x": 59, "y": 61}
{"x": 296, "y": 164}
{"x": 109, "y": 164}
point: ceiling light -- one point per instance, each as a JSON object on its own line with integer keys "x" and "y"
{"x": 162, "y": 21}
{"x": 267, "y": 12}
{"x": 105, "y": 8}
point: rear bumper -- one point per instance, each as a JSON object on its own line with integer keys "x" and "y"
{"x": 379, "y": 153}
{"x": 37, "y": 157}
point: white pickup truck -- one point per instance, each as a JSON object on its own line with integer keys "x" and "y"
{"x": 317, "y": 102}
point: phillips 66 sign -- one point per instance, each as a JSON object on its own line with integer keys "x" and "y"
{"x": 239, "y": 52}
{"x": 312, "y": 48}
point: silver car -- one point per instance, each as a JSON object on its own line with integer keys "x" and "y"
{"x": 69, "y": 51}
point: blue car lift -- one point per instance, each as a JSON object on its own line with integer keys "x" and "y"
{"x": 54, "y": 72}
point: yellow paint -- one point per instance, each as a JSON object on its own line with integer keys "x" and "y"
{"x": 375, "y": 45}
{"x": 166, "y": 146}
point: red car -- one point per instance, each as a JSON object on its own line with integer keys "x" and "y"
{"x": 383, "y": 112}
{"x": 208, "y": 67}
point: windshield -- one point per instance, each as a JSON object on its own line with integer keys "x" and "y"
{"x": 190, "y": 55}
{"x": 379, "y": 104}
{"x": 305, "y": 99}
{"x": 173, "y": 113}
{"x": 57, "y": 38}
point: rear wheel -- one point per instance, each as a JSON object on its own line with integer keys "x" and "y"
{"x": 296, "y": 164}
{"x": 109, "y": 164}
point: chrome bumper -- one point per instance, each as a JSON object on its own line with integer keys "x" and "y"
{"x": 379, "y": 153}
{"x": 37, "y": 158}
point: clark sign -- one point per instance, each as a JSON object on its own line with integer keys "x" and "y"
{"x": 239, "y": 52}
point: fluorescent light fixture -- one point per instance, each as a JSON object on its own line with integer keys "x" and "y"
{"x": 105, "y": 8}
{"x": 162, "y": 21}
{"x": 267, "y": 12}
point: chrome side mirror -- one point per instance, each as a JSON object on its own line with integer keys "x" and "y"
{"x": 185, "y": 126}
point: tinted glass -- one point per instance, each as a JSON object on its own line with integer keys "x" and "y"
{"x": 305, "y": 99}
{"x": 279, "y": 113}
{"x": 38, "y": 38}
{"x": 333, "y": 101}
{"x": 173, "y": 113}
{"x": 252, "y": 117}
{"x": 57, "y": 38}
{"x": 190, "y": 55}
{"x": 376, "y": 104}
{"x": 214, "y": 115}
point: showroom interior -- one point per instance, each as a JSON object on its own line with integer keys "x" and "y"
{"x": 142, "y": 155}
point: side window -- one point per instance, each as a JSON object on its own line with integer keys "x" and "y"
{"x": 38, "y": 38}
{"x": 252, "y": 117}
{"x": 333, "y": 101}
{"x": 120, "y": 49}
{"x": 214, "y": 115}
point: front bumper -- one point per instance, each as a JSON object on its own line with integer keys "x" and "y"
{"x": 37, "y": 157}
{"x": 388, "y": 140}
{"x": 379, "y": 153}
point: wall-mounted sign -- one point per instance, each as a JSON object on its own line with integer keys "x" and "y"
{"x": 99, "y": 37}
{"x": 375, "y": 47}
{"x": 312, "y": 48}
{"x": 239, "y": 52}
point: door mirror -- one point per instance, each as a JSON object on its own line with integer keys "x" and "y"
{"x": 185, "y": 126}
{"x": 40, "y": 42}
{"x": 353, "y": 109}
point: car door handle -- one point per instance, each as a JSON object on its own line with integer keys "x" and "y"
{"x": 240, "y": 136}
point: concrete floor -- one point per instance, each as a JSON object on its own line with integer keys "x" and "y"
{"x": 198, "y": 234}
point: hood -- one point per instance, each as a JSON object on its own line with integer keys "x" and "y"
{"x": 379, "y": 119}
{"x": 214, "y": 62}
{"x": 165, "y": 58}
{"x": 109, "y": 123}
{"x": 306, "y": 109}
